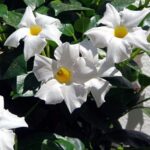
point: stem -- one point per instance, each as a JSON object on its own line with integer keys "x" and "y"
{"x": 48, "y": 51}
{"x": 16, "y": 143}
{"x": 74, "y": 37}
{"x": 32, "y": 109}
{"x": 143, "y": 100}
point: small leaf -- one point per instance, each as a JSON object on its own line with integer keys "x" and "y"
{"x": 34, "y": 3}
{"x": 121, "y": 4}
{"x": 60, "y": 7}
{"x": 42, "y": 10}
{"x": 67, "y": 29}
{"x": 93, "y": 21}
{"x": 82, "y": 24}
{"x": 144, "y": 80}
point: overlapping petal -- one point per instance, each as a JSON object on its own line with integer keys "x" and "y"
{"x": 111, "y": 17}
{"x": 44, "y": 68}
{"x": 33, "y": 45}
{"x": 100, "y": 36}
{"x": 28, "y": 18}
{"x": 50, "y": 92}
{"x": 14, "y": 38}
{"x": 7, "y": 139}
{"x": 74, "y": 96}
{"x": 132, "y": 18}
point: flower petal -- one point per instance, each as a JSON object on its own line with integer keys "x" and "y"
{"x": 83, "y": 71}
{"x": 47, "y": 20}
{"x": 98, "y": 88}
{"x": 14, "y": 38}
{"x": 50, "y": 92}
{"x": 28, "y": 18}
{"x": 138, "y": 39}
{"x": 33, "y": 45}
{"x": 118, "y": 50}
{"x": 100, "y": 36}
{"x": 74, "y": 96}
{"x": 111, "y": 17}
{"x": 66, "y": 54}
{"x": 11, "y": 121}
{"x": 1, "y": 103}
{"x": 51, "y": 32}
{"x": 132, "y": 18}
{"x": 7, "y": 139}
{"x": 44, "y": 68}
{"x": 107, "y": 69}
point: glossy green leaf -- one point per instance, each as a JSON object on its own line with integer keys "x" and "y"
{"x": 93, "y": 21}
{"x": 82, "y": 24}
{"x": 121, "y": 4}
{"x": 35, "y": 3}
{"x": 42, "y": 10}
{"x": 67, "y": 29}
{"x": 60, "y": 7}
{"x": 3, "y": 10}
{"x": 144, "y": 80}
{"x": 13, "y": 18}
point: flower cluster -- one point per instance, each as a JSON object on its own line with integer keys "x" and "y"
{"x": 75, "y": 70}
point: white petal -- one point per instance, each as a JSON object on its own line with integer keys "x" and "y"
{"x": 118, "y": 50}
{"x": 51, "y": 32}
{"x": 47, "y": 20}
{"x": 98, "y": 88}
{"x": 50, "y": 92}
{"x": 33, "y": 45}
{"x": 83, "y": 71}
{"x": 28, "y": 18}
{"x": 14, "y": 38}
{"x": 111, "y": 17}
{"x": 7, "y": 139}
{"x": 44, "y": 68}
{"x": 132, "y": 18}
{"x": 74, "y": 96}
{"x": 138, "y": 39}
{"x": 1, "y": 103}
{"x": 11, "y": 121}
{"x": 100, "y": 36}
{"x": 66, "y": 54}
{"x": 107, "y": 69}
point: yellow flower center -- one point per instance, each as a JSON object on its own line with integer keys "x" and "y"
{"x": 35, "y": 29}
{"x": 120, "y": 31}
{"x": 63, "y": 75}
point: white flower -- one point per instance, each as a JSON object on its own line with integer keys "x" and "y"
{"x": 8, "y": 121}
{"x": 120, "y": 33}
{"x": 71, "y": 77}
{"x": 34, "y": 30}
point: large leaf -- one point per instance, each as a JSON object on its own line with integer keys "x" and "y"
{"x": 3, "y": 10}
{"x": 12, "y": 18}
{"x": 67, "y": 29}
{"x": 35, "y": 3}
{"x": 120, "y": 4}
{"x": 12, "y": 65}
{"x": 60, "y": 7}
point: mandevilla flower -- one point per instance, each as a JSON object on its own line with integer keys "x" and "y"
{"x": 120, "y": 33}
{"x": 8, "y": 121}
{"x": 70, "y": 77}
{"x": 34, "y": 31}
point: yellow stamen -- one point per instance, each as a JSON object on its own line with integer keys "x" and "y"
{"x": 120, "y": 31}
{"x": 63, "y": 75}
{"x": 35, "y": 29}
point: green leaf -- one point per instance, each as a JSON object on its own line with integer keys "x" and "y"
{"x": 60, "y": 7}
{"x": 42, "y": 10}
{"x": 12, "y": 18}
{"x": 146, "y": 21}
{"x": 82, "y": 24}
{"x": 35, "y": 3}
{"x": 67, "y": 29}
{"x": 12, "y": 65}
{"x": 3, "y": 10}
{"x": 144, "y": 80}
{"x": 93, "y": 21}
{"x": 121, "y": 4}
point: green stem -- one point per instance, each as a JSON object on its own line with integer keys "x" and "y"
{"x": 74, "y": 37}
{"x": 48, "y": 51}
{"x": 16, "y": 143}
{"x": 32, "y": 109}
